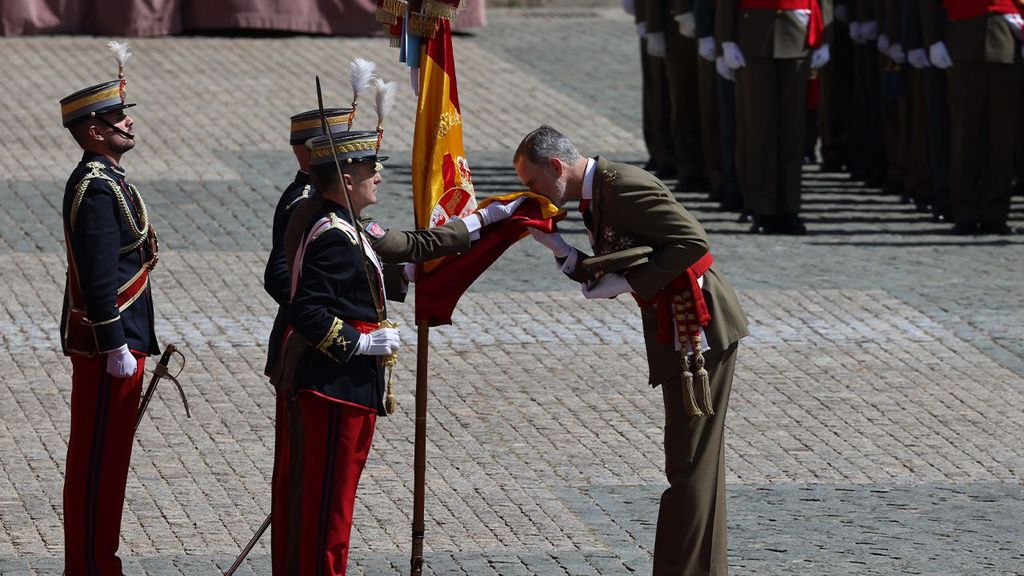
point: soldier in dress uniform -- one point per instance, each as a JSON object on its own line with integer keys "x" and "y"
{"x": 980, "y": 46}
{"x": 331, "y": 372}
{"x": 276, "y": 281}
{"x": 107, "y": 321}
{"x": 674, "y": 22}
{"x": 834, "y": 109}
{"x": 686, "y": 304}
{"x": 772, "y": 45}
{"x": 657, "y": 107}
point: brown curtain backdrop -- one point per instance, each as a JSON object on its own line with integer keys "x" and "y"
{"x": 164, "y": 17}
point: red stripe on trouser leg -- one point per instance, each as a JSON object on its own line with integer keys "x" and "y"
{"x": 103, "y": 413}
{"x": 279, "y": 501}
{"x": 336, "y": 441}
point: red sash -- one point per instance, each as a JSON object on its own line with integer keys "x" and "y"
{"x": 966, "y": 9}
{"x": 663, "y": 299}
{"x": 815, "y": 28}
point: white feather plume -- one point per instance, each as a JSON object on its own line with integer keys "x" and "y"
{"x": 121, "y": 53}
{"x": 360, "y": 74}
{"x": 385, "y": 97}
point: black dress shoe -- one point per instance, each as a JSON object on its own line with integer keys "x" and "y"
{"x": 922, "y": 206}
{"x": 745, "y": 217}
{"x": 791, "y": 224}
{"x": 764, "y": 225}
{"x": 965, "y": 228}
{"x": 940, "y": 215}
{"x": 997, "y": 228}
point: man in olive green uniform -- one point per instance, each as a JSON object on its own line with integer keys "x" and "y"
{"x": 868, "y": 160}
{"x": 836, "y": 105}
{"x": 674, "y": 19}
{"x": 656, "y": 103}
{"x": 772, "y": 45}
{"x": 980, "y": 47}
{"x": 623, "y": 207}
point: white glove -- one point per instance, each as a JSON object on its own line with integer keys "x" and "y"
{"x": 839, "y": 12}
{"x": 733, "y": 56}
{"x": 939, "y": 56}
{"x": 656, "y": 44}
{"x": 883, "y": 44}
{"x": 723, "y": 69}
{"x": 918, "y": 58}
{"x": 641, "y": 29}
{"x": 121, "y": 363}
{"x": 820, "y": 57}
{"x": 496, "y": 211}
{"x": 855, "y": 33}
{"x": 608, "y": 286}
{"x": 629, "y": 6}
{"x": 897, "y": 54}
{"x": 687, "y": 24}
{"x": 380, "y": 342}
{"x": 869, "y": 30}
{"x": 554, "y": 242}
{"x": 706, "y": 48}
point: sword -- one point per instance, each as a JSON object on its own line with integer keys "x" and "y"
{"x": 248, "y": 547}
{"x": 159, "y": 373}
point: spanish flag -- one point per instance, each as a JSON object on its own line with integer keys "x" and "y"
{"x": 442, "y": 187}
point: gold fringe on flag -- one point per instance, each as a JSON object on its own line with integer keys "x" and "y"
{"x": 443, "y": 8}
{"x": 422, "y": 24}
{"x": 385, "y": 17}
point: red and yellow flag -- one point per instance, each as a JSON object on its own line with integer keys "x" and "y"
{"x": 442, "y": 184}
{"x": 442, "y": 188}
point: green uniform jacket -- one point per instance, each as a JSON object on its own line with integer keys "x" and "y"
{"x": 767, "y": 33}
{"x": 631, "y": 207}
{"x": 988, "y": 38}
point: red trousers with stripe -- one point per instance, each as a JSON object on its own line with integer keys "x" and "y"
{"x": 103, "y": 413}
{"x": 315, "y": 482}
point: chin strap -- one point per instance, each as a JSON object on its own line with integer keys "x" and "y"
{"x": 116, "y": 129}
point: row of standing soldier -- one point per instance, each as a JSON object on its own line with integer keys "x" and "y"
{"x": 919, "y": 98}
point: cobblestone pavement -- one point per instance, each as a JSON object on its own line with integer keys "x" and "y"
{"x": 875, "y": 424}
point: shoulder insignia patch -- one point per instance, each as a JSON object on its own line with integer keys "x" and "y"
{"x": 375, "y": 230}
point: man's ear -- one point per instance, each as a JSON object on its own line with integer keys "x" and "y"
{"x": 557, "y": 165}
{"x": 94, "y": 133}
{"x": 346, "y": 179}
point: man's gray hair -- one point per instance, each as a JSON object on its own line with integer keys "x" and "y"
{"x": 546, "y": 143}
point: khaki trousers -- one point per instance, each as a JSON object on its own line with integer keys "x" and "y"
{"x": 691, "y": 538}
{"x": 770, "y": 98}
{"x": 983, "y": 108}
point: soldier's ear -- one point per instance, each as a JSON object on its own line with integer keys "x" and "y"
{"x": 94, "y": 133}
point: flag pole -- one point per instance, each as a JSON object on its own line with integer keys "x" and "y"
{"x": 420, "y": 456}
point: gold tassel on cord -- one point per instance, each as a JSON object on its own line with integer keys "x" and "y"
{"x": 701, "y": 374}
{"x": 689, "y": 399}
{"x": 390, "y": 402}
